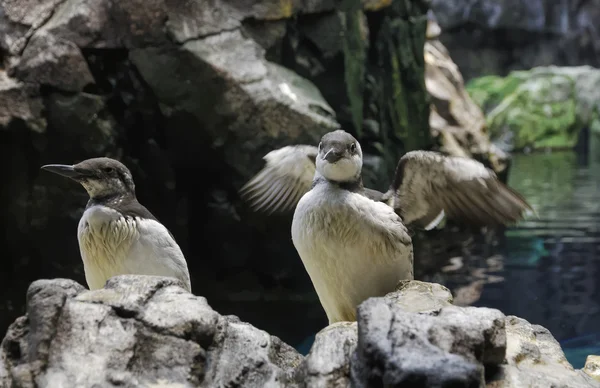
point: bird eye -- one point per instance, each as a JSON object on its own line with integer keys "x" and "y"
{"x": 109, "y": 170}
{"x": 320, "y": 146}
{"x": 353, "y": 147}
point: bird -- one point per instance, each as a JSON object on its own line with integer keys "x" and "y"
{"x": 354, "y": 241}
{"x": 117, "y": 235}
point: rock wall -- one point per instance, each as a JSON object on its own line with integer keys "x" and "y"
{"x": 144, "y": 331}
{"x": 494, "y": 37}
{"x": 190, "y": 95}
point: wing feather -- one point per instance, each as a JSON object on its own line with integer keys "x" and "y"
{"x": 285, "y": 178}
{"x": 427, "y": 183}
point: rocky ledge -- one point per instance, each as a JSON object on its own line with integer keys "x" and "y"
{"x": 148, "y": 331}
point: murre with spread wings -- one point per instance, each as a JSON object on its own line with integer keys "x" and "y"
{"x": 353, "y": 240}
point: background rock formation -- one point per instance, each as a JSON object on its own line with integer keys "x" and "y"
{"x": 497, "y": 36}
{"x": 190, "y": 96}
{"x": 147, "y": 331}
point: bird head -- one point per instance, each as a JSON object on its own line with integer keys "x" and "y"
{"x": 340, "y": 157}
{"x": 100, "y": 177}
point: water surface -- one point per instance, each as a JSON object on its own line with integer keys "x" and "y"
{"x": 546, "y": 270}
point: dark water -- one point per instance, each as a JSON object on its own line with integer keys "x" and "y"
{"x": 546, "y": 270}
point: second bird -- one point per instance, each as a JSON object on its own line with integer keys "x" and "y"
{"x": 118, "y": 235}
{"x": 353, "y": 240}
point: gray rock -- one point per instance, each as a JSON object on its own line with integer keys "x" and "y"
{"x": 20, "y": 101}
{"x": 226, "y": 99}
{"x": 420, "y": 297}
{"x": 539, "y": 32}
{"x": 137, "y": 331}
{"x": 19, "y": 19}
{"x": 328, "y": 362}
{"x": 48, "y": 60}
{"x": 534, "y": 359}
{"x": 396, "y": 348}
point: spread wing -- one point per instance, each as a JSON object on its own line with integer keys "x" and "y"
{"x": 428, "y": 186}
{"x": 286, "y": 177}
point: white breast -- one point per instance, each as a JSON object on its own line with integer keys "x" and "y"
{"x": 352, "y": 247}
{"x": 111, "y": 245}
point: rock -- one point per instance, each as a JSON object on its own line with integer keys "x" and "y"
{"x": 328, "y": 363}
{"x": 592, "y": 367}
{"x": 534, "y": 359}
{"x": 55, "y": 62}
{"x": 545, "y": 107}
{"x": 394, "y": 344}
{"x": 143, "y": 331}
{"x": 498, "y": 36}
{"x": 262, "y": 95}
{"x": 20, "y": 102}
{"x": 19, "y": 19}
{"x": 456, "y": 121}
{"x": 138, "y": 331}
{"x": 190, "y": 95}
{"x": 420, "y": 297}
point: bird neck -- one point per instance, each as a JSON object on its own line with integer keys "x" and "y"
{"x": 111, "y": 199}
{"x": 353, "y": 185}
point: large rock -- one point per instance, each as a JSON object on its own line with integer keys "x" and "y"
{"x": 142, "y": 331}
{"x": 534, "y": 359}
{"x": 396, "y": 347}
{"x": 497, "y": 36}
{"x": 137, "y": 331}
{"x": 190, "y": 95}
{"x": 545, "y": 107}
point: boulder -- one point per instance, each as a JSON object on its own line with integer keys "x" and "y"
{"x": 456, "y": 121}
{"x": 141, "y": 331}
{"x": 534, "y": 359}
{"x": 545, "y": 107}
{"x": 135, "y": 332}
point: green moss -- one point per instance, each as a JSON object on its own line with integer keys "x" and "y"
{"x": 542, "y": 108}
{"x": 489, "y": 91}
{"x": 400, "y": 44}
{"x": 354, "y": 60}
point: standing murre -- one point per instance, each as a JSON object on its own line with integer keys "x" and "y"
{"x": 117, "y": 235}
{"x": 353, "y": 240}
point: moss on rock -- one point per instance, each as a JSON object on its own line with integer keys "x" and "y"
{"x": 545, "y": 107}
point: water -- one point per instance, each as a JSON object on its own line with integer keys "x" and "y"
{"x": 546, "y": 270}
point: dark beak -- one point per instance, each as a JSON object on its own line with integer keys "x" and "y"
{"x": 67, "y": 171}
{"x": 333, "y": 155}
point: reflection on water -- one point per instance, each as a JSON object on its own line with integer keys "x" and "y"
{"x": 545, "y": 270}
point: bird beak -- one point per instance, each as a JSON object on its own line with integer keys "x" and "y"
{"x": 333, "y": 155}
{"x": 67, "y": 171}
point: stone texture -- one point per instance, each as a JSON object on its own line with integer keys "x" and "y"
{"x": 498, "y": 36}
{"x": 328, "y": 363}
{"x": 20, "y": 102}
{"x": 48, "y": 60}
{"x": 137, "y": 331}
{"x": 534, "y": 359}
{"x": 190, "y": 96}
{"x": 142, "y": 331}
{"x": 592, "y": 367}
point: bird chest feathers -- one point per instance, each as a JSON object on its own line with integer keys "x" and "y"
{"x": 105, "y": 238}
{"x": 350, "y": 247}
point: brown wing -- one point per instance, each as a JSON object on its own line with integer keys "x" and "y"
{"x": 429, "y": 185}
{"x": 286, "y": 177}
